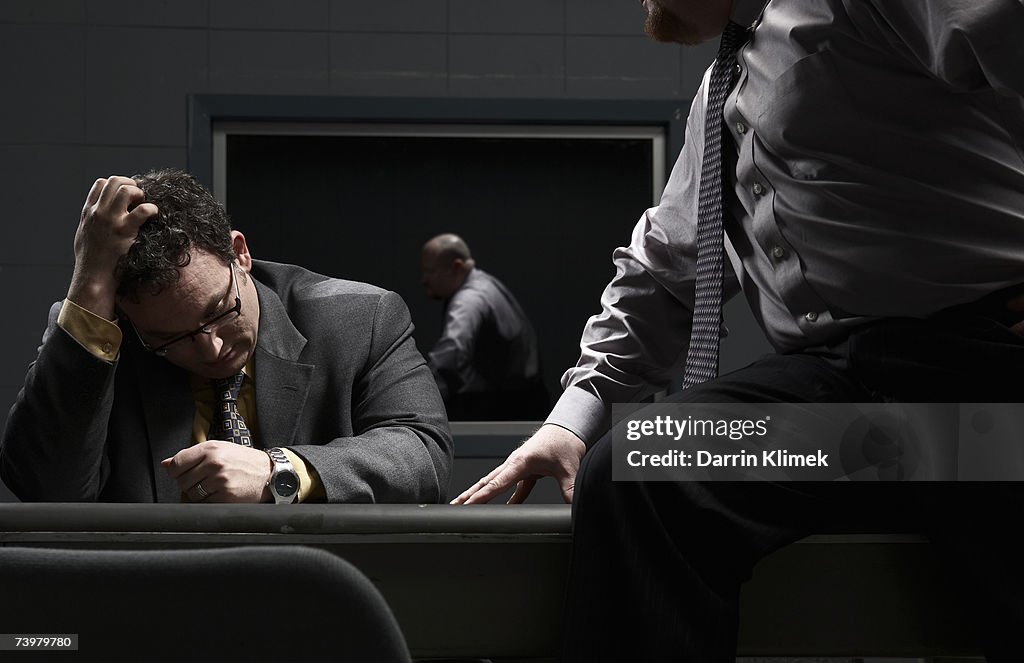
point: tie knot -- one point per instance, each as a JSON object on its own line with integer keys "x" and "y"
{"x": 227, "y": 388}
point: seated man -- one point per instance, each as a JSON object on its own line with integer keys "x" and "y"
{"x": 180, "y": 368}
{"x": 854, "y": 168}
{"x": 487, "y": 362}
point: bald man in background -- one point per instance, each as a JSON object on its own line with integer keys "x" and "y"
{"x": 486, "y": 362}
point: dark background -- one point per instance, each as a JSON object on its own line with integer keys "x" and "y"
{"x": 537, "y": 213}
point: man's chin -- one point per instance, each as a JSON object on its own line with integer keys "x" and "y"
{"x": 221, "y": 374}
{"x": 666, "y": 28}
{"x": 229, "y": 366}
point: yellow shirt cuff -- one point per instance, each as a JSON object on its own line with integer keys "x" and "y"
{"x": 311, "y": 489}
{"x": 101, "y": 337}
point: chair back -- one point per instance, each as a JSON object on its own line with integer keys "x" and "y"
{"x": 261, "y": 603}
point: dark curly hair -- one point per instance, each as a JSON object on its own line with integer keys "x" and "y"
{"x": 190, "y": 218}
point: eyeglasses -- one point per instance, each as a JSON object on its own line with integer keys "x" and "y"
{"x": 215, "y": 323}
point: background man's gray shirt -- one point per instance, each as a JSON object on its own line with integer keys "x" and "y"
{"x": 487, "y": 344}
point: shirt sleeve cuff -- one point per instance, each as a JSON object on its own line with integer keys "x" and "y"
{"x": 101, "y": 337}
{"x": 311, "y": 489}
{"x": 582, "y": 413}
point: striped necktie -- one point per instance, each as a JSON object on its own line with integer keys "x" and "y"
{"x": 702, "y": 356}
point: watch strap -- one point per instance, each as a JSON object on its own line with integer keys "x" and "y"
{"x": 281, "y": 464}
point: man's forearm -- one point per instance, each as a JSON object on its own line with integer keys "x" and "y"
{"x": 52, "y": 447}
{"x": 408, "y": 464}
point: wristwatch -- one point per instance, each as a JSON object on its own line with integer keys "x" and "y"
{"x": 284, "y": 482}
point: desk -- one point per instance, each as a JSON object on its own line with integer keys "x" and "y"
{"x": 487, "y": 581}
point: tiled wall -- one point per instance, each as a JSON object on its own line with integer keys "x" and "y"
{"x": 92, "y": 88}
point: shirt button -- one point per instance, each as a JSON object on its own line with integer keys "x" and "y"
{"x": 778, "y": 252}
{"x": 811, "y": 317}
{"x": 758, "y": 189}
{"x": 740, "y": 127}
{"x": 107, "y": 347}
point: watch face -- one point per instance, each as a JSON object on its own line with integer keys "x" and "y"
{"x": 286, "y": 483}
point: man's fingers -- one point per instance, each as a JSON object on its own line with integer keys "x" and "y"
{"x": 195, "y": 482}
{"x": 568, "y": 490}
{"x": 551, "y": 452}
{"x": 141, "y": 214}
{"x": 469, "y": 492}
{"x": 126, "y": 199}
{"x": 523, "y": 489}
{"x": 183, "y": 461}
{"x": 94, "y": 193}
{"x": 200, "y": 491}
{"x": 128, "y": 195}
{"x": 112, "y": 187}
{"x": 483, "y": 490}
{"x": 200, "y": 475}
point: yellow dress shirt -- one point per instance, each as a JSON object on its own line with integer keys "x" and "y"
{"x": 103, "y": 338}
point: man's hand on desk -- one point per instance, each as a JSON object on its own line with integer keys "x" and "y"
{"x": 551, "y": 452}
{"x": 216, "y": 471}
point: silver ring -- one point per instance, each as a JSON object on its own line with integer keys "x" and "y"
{"x": 202, "y": 491}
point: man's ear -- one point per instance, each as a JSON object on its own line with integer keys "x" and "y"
{"x": 241, "y": 250}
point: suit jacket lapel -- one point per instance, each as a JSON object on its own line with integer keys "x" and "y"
{"x": 169, "y": 409}
{"x": 282, "y": 382}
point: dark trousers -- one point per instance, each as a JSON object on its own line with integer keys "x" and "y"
{"x": 657, "y": 566}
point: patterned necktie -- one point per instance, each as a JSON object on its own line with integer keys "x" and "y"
{"x": 227, "y": 423}
{"x": 702, "y": 356}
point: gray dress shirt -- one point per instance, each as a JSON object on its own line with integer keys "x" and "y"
{"x": 876, "y": 157}
{"x": 488, "y": 345}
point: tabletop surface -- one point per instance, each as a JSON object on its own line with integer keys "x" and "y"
{"x": 291, "y": 518}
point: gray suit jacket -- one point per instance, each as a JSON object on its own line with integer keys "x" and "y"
{"x": 339, "y": 381}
